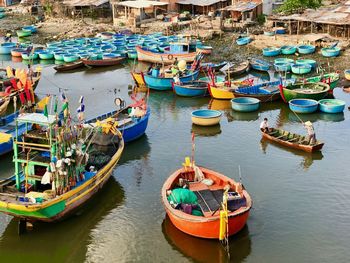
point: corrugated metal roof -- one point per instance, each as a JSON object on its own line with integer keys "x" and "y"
{"x": 85, "y": 2}
{"x": 141, "y": 3}
{"x": 241, "y": 6}
{"x": 199, "y": 2}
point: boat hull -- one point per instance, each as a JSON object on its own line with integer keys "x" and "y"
{"x": 103, "y": 62}
{"x": 245, "y": 104}
{"x": 188, "y": 91}
{"x": 132, "y": 133}
{"x": 68, "y": 67}
{"x": 162, "y": 84}
{"x": 305, "y": 148}
{"x": 332, "y": 105}
{"x": 219, "y": 93}
{"x": 154, "y": 57}
{"x": 289, "y": 94}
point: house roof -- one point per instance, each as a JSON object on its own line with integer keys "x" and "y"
{"x": 199, "y": 2}
{"x": 85, "y": 2}
{"x": 241, "y": 6}
{"x": 141, "y": 3}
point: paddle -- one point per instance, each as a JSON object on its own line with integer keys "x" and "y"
{"x": 298, "y": 117}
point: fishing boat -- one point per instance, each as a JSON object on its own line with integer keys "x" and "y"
{"x": 143, "y": 54}
{"x": 331, "y": 79}
{"x": 265, "y": 92}
{"x": 282, "y": 66}
{"x": 243, "y": 41}
{"x": 259, "y": 64}
{"x": 292, "y": 140}
{"x": 271, "y": 51}
{"x": 223, "y": 90}
{"x": 202, "y": 213}
{"x": 269, "y": 33}
{"x": 165, "y": 83}
{"x": 303, "y": 105}
{"x": 103, "y": 62}
{"x": 306, "y": 49}
{"x": 347, "y": 74}
{"x": 207, "y": 50}
{"x": 195, "y": 88}
{"x": 311, "y": 62}
{"x": 245, "y": 104}
{"x": 332, "y": 105}
{"x": 23, "y": 33}
{"x": 315, "y": 91}
{"x": 288, "y": 50}
{"x": 5, "y": 48}
{"x": 213, "y": 66}
{"x": 39, "y": 193}
{"x": 69, "y": 66}
{"x": 301, "y": 69}
{"x": 330, "y": 51}
{"x": 131, "y": 121}
{"x": 138, "y": 78}
{"x": 17, "y": 52}
{"x": 236, "y": 69}
{"x": 206, "y": 117}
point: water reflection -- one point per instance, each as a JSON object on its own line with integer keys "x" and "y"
{"x": 244, "y": 116}
{"x": 313, "y": 117}
{"x": 215, "y": 104}
{"x": 206, "y": 131}
{"x": 65, "y": 241}
{"x": 206, "y": 250}
{"x": 136, "y": 150}
{"x": 307, "y": 158}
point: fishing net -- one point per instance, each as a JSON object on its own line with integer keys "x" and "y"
{"x": 97, "y": 159}
{"x": 182, "y": 196}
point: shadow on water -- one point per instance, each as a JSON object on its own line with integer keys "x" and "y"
{"x": 206, "y": 250}
{"x": 313, "y": 117}
{"x": 65, "y": 241}
{"x": 206, "y": 131}
{"x": 307, "y": 158}
{"x": 136, "y": 150}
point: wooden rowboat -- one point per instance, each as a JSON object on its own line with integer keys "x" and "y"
{"x": 103, "y": 62}
{"x": 292, "y": 140}
{"x": 69, "y": 66}
{"x": 166, "y": 58}
{"x": 209, "y": 200}
{"x": 236, "y": 70}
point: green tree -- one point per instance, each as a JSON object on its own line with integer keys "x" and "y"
{"x": 293, "y": 6}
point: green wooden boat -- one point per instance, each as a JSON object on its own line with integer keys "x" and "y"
{"x": 23, "y": 33}
{"x": 331, "y": 79}
{"x": 314, "y": 91}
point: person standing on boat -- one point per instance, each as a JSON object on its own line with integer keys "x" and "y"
{"x": 264, "y": 125}
{"x": 310, "y": 132}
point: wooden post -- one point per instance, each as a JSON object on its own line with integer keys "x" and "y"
{"x": 298, "y": 28}
{"x": 126, "y": 13}
{"x": 290, "y": 27}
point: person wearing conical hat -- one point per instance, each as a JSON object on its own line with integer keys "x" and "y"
{"x": 311, "y": 135}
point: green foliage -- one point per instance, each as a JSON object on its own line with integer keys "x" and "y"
{"x": 48, "y": 8}
{"x": 293, "y": 6}
{"x": 261, "y": 19}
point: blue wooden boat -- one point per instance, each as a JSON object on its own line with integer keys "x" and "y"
{"x": 306, "y": 49}
{"x": 288, "y": 50}
{"x": 303, "y": 105}
{"x": 332, "y": 105}
{"x": 194, "y": 88}
{"x": 206, "y": 66}
{"x": 271, "y": 51}
{"x": 311, "y": 62}
{"x": 259, "y": 64}
{"x": 31, "y": 28}
{"x": 301, "y": 68}
{"x": 131, "y": 128}
{"x": 280, "y": 31}
{"x": 8, "y": 132}
{"x": 269, "y": 33}
{"x": 5, "y": 48}
{"x": 330, "y": 51}
{"x": 265, "y": 92}
{"x": 243, "y": 41}
{"x": 165, "y": 83}
{"x": 245, "y": 104}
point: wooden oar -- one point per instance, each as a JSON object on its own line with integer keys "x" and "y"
{"x": 298, "y": 117}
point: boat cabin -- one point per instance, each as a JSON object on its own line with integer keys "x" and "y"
{"x": 181, "y": 48}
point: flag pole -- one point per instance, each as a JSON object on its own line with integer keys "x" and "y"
{"x": 193, "y": 148}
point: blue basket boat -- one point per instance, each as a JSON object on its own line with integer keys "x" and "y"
{"x": 330, "y": 51}
{"x": 259, "y": 64}
{"x": 271, "y": 51}
{"x": 332, "y": 105}
{"x": 269, "y": 33}
{"x": 282, "y": 66}
{"x": 31, "y": 28}
{"x": 29, "y": 56}
{"x": 245, "y": 104}
{"x": 45, "y": 55}
{"x": 243, "y": 41}
{"x": 5, "y": 48}
{"x": 194, "y": 88}
{"x": 288, "y": 50}
{"x": 306, "y": 49}
{"x": 153, "y": 81}
{"x": 311, "y": 62}
{"x": 70, "y": 58}
{"x": 301, "y": 68}
{"x": 59, "y": 55}
{"x": 303, "y": 105}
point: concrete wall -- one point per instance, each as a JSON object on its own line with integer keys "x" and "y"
{"x": 269, "y": 5}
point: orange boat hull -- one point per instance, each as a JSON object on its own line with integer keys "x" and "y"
{"x": 209, "y": 229}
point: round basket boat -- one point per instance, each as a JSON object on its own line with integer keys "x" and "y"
{"x": 303, "y": 105}
{"x": 245, "y": 104}
{"x": 206, "y": 117}
{"x": 332, "y": 105}
{"x": 347, "y": 74}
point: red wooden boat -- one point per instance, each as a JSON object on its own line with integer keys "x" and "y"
{"x": 103, "y": 62}
{"x": 209, "y": 201}
{"x": 292, "y": 140}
